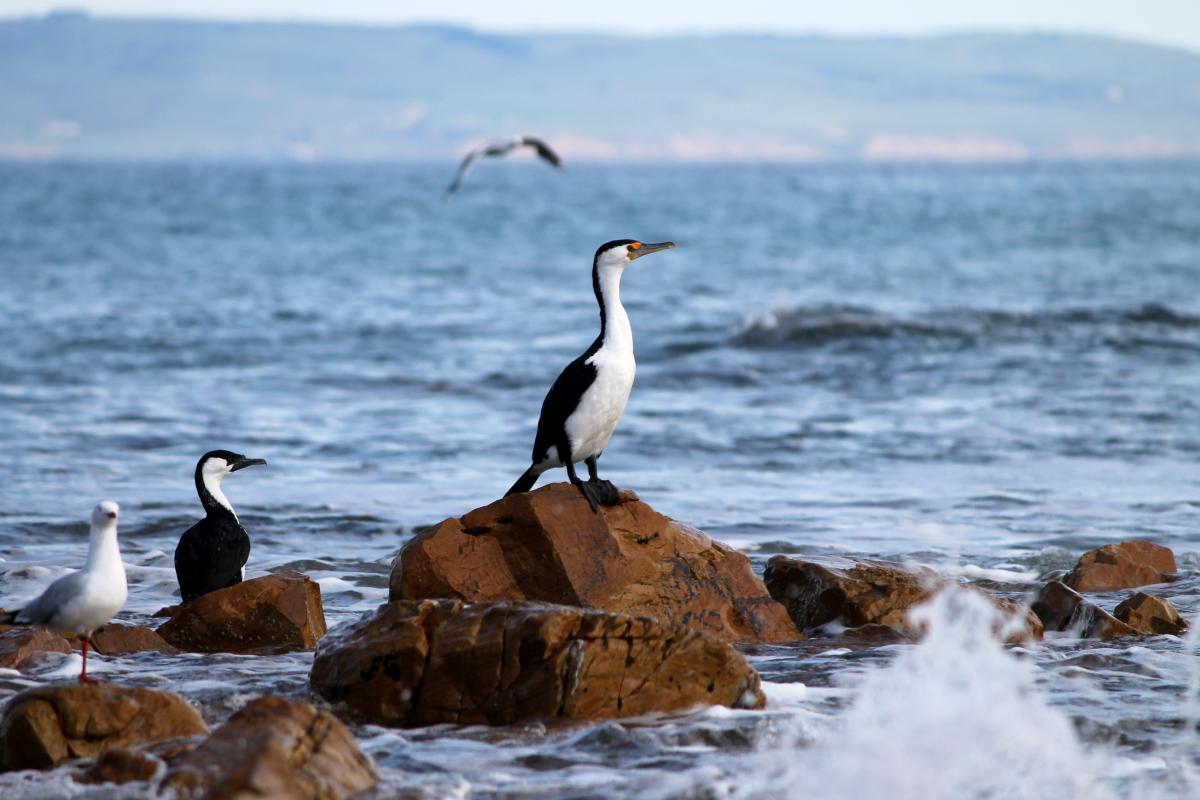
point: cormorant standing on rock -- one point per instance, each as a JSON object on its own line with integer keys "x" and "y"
{"x": 586, "y": 401}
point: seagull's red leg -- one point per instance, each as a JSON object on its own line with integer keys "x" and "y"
{"x": 83, "y": 678}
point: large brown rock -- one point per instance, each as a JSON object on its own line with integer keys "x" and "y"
{"x": 47, "y": 725}
{"x": 861, "y": 592}
{"x": 20, "y": 645}
{"x": 1125, "y": 565}
{"x": 1061, "y": 608}
{"x": 272, "y": 614}
{"x": 432, "y": 661}
{"x": 549, "y": 546}
{"x": 273, "y": 748}
{"x": 1150, "y": 614}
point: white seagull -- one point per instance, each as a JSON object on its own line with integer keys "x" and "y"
{"x": 496, "y": 149}
{"x": 80, "y": 602}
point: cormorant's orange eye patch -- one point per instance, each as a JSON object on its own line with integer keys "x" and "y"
{"x": 635, "y": 245}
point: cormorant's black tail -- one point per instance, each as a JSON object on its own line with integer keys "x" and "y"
{"x": 525, "y": 482}
{"x": 10, "y": 617}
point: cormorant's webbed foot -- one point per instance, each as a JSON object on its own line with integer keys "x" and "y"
{"x": 589, "y": 493}
{"x": 605, "y": 492}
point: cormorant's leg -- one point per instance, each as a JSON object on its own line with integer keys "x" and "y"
{"x": 584, "y": 489}
{"x": 606, "y": 492}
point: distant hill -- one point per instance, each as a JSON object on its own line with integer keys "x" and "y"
{"x": 79, "y": 86}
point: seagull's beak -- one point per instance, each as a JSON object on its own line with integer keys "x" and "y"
{"x": 247, "y": 462}
{"x": 646, "y": 249}
{"x": 110, "y": 514}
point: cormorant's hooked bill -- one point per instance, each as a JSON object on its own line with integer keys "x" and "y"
{"x": 243, "y": 462}
{"x": 639, "y": 249}
{"x": 496, "y": 149}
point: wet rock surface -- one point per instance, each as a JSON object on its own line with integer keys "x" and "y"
{"x": 861, "y": 594}
{"x": 1061, "y": 608}
{"x": 549, "y": 546}
{"x": 120, "y": 640}
{"x": 1124, "y": 565}
{"x": 274, "y": 748}
{"x": 1149, "y": 614}
{"x": 19, "y": 646}
{"x": 47, "y": 725}
{"x": 272, "y": 614}
{"x": 434, "y": 661}
{"x": 122, "y": 766}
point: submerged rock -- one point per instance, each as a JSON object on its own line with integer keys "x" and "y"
{"x": 858, "y": 593}
{"x": 1150, "y": 614}
{"x": 272, "y": 614}
{"x": 273, "y": 748}
{"x": 434, "y": 661}
{"x": 47, "y": 725}
{"x": 1061, "y": 608}
{"x": 122, "y": 766}
{"x": 1125, "y": 565}
{"x": 549, "y": 546}
{"x": 20, "y": 645}
{"x": 121, "y": 640}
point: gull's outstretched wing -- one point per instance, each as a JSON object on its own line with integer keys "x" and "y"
{"x": 466, "y": 164}
{"x": 543, "y": 150}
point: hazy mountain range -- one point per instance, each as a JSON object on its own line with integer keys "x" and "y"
{"x": 79, "y": 86}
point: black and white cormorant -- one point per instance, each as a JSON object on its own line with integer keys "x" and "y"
{"x": 212, "y": 553}
{"x": 586, "y": 401}
{"x": 495, "y": 149}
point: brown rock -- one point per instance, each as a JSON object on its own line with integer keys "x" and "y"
{"x": 432, "y": 661}
{"x": 272, "y": 614}
{"x": 549, "y": 546}
{"x": 273, "y": 748}
{"x": 1061, "y": 608}
{"x": 121, "y": 766}
{"x": 20, "y": 645}
{"x": 859, "y": 592}
{"x": 121, "y": 640}
{"x": 1125, "y": 565}
{"x": 47, "y": 725}
{"x": 1150, "y": 614}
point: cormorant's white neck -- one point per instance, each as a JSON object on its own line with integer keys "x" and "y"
{"x": 104, "y": 554}
{"x": 614, "y": 322}
{"x": 212, "y": 485}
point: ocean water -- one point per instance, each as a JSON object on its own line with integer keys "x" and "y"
{"x": 987, "y": 369}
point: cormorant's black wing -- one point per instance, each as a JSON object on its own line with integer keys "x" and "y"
{"x": 562, "y": 400}
{"x": 543, "y": 150}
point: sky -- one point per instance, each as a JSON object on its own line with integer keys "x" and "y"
{"x": 1172, "y": 22}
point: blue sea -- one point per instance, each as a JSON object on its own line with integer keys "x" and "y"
{"x": 987, "y": 369}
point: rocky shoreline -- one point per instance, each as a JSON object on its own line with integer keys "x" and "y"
{"x": 528, "y": 609}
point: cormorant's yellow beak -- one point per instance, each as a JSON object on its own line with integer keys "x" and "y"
{"x": 639, "y": 249}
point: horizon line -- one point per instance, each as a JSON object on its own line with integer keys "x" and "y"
{"x": 629, "y": 33}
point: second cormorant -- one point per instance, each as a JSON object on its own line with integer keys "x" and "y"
{"x": 212, "y": 553}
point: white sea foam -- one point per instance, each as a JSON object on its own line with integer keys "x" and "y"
{"x": 955, "y": 717}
